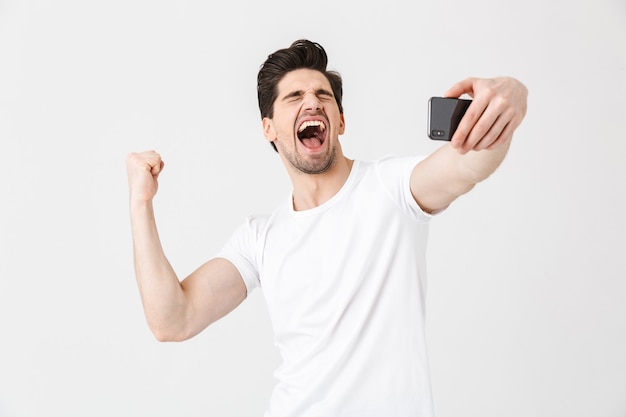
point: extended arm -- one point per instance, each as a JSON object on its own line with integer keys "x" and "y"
{"x": 174, "y": 310}
{"x": 478, "y": 146}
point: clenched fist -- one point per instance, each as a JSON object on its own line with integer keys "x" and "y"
{"x": 143, "y": 172}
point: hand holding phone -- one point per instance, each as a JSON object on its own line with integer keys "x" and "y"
{"x": 444, "y": 116}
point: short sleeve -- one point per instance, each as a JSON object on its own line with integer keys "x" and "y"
{"x": 395, "y": 174}
{"x": 241, "y": 251}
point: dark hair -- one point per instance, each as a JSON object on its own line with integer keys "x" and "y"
{"x": 301, "y": 54}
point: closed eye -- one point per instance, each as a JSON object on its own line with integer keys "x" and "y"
{"x": 324, "y": 94}
{"x": 321, "y": 94}
{"x": 294, "y": 96}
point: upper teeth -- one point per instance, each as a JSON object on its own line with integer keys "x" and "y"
{"x": 310, "y": 123}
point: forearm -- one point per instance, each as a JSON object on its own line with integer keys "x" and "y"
{"x": 476, "y": 166}
{"x": 447, "y": 174}
{"x": 161, "y": 292}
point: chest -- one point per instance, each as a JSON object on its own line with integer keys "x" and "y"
{"x": 317, "y": 270}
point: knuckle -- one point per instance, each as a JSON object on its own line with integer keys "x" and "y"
{"x": 504, "y": 105}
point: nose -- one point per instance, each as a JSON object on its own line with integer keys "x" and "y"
{"x": 311, "y": 102}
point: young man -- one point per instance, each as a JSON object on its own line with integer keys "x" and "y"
{"x": 341, "y": 261}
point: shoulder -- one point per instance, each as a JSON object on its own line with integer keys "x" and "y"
{"x": 393, "y": 174}
{"x": 255, "y": 226}
{"x": 256, "y": 222}
{"x": 251, "y": 230}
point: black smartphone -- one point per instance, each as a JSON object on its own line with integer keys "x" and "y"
{"x": 444, "y": 116}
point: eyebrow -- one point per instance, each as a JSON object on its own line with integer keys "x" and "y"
{"x": 300, "y": 93}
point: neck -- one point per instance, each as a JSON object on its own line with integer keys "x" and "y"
{"x": 312, "y": 190}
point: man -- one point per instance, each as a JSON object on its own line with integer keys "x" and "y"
{"x": 341, "y": 261}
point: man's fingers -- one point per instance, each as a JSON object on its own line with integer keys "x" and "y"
{"x": 488, "y": 127}
{"x": 498, "y": 107}
{"x": 465, "y": 86}
{"x": 504, "y": 137}
{"x": 475, "y": 112}
{"x": 148, "y": 160}
{"x": 156, "y": 166}
{"x": 492, "y": 136}
{"x": 500, "y": 129}
{"x": 161, "y": 165}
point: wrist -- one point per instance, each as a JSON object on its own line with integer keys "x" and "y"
{"x": 139, "y": 205}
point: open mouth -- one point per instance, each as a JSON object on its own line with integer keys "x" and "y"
{"x": 312, "y": 133}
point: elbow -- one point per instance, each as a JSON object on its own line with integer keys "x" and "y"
{"x": 168, "y": 333}
{"x": 162, "y": 336}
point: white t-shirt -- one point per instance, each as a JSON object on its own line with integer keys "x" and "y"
{"x": 345, "y": 285}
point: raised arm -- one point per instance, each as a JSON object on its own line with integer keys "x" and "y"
{"x": 174, "y": 310}
{"x": 478, "y": 146}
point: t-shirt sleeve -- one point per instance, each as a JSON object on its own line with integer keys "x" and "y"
{"x": 241, "y": 249}
{"x": 395, "y": 174}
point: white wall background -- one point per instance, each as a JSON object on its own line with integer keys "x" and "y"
{"x": 527, "y": 296}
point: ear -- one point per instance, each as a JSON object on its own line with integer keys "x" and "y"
{"x": 268, "y": 129}
{"x": 342, "y": 124}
